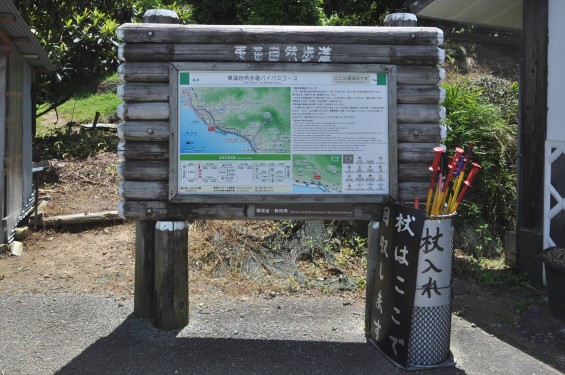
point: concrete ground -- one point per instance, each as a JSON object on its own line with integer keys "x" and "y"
{"x": 63, "y": 334}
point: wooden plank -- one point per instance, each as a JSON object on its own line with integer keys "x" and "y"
{"x": 420, "y": 94}
{"x": 144, "y": 268}
{"x": 144, "y": 72}
{"x": 148, "y": 131}
{"x": 414, "y": 172}
{"x": 144, "y": 150}
{"x": 143, "y": 190}
{"x": 411, "y": 190}
{"x": 419, "y": 75}
{"x": 152, "y": 111}
{"x": 143, "y": 170}
{"x": 419, "y": 133}
{"x": 144, "y": 92}
{"x": 207, "y": 34}
{"x": 415, "y": 153}
{"x": 418, "y": 113}
{"x": 74, "y": 219}
{"x": 340, "y": 53}
{"x": 171, "y": 275}
{"x": 156, "y": 210}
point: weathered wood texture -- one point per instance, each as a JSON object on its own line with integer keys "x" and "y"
{"x": 159, "y": 72}
{"x": 144, "y": 268}
{"x": 74, "y": 219}
{"x": 210, "y": 34}
{"x": 149, "y": 50}
{"x": 340, "y": 53}
{"x": 171, "y": 275}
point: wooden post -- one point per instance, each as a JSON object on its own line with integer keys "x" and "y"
{"x": 171, "y": 275}
{"x": 401, "y": 19}
{"x": 144, "y": 263}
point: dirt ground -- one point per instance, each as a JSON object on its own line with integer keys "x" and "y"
{"x": 99, "y": 259}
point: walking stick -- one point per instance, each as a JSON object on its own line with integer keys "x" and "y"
{"x": 434, "y": 168}
{"x": 467, "y": 183}
{"x": 452, "y": 167}
{"x": 467, "y": 158}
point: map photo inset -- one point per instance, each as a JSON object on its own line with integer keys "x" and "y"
{"x": 317, "y": 173}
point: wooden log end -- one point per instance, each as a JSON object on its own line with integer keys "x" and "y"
{"x": 121, "y": 49}
{"x": 441, "y": 75}
{"x": 120, "y": 91}
{"x": 440, "y": 56}
{"x": 160, "y": 16}
{"x": 170, "y": 226}
{"x": 122, "y": 111}
{"x": 121, "y": 210}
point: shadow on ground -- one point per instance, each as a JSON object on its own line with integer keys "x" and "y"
{"x": 135, "y": 347}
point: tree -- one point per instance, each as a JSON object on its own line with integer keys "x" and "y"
{"x": 258, "y": 12}
{"x": 358, "y": 12}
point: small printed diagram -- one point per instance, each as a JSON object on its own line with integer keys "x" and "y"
{"x": 317, "y": 173}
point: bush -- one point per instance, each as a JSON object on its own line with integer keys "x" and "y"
{"x": 501, "y": 93}
{"x": 489, "y": 208}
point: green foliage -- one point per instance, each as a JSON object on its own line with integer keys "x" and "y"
{"x": 282, "y": 12}
{"x": 491, "y": 205}
{"x": 501, "y": 93}
{"x": 258, "y": 12}
{"x": 492, "y": 273}
{"x": 357, "y": 12}
{"x": 66, "y": 142}
{"x": 79, "y": 37}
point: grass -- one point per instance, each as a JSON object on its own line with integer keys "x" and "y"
{"x": 98, "y": 97}
{"x": 83, "y": 109}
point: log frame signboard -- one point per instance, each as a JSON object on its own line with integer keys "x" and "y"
{"x": 282, "y": 133}
{"x": 153, "y": 56}
{"x": 196, "y": 149}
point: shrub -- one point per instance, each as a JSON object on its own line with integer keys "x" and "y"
{"x": 501, "y": 93}
{"x": 489, "y": 208}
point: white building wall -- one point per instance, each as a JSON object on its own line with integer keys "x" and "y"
{"x": 556, "y": 73}
{"x": 554, "y": 195}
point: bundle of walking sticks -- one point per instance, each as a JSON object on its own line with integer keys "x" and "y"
{"x": 447, "y": 185}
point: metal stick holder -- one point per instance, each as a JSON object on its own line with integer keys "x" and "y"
{"x": 409, "y": 289}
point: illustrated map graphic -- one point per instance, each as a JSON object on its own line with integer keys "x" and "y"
{"x": 235, "y": 120}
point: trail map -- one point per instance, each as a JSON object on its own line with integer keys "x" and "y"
{"x": 283, "y": 133}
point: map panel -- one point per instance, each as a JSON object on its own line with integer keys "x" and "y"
{"x": 283, "y": 133}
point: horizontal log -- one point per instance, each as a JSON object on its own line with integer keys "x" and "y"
{"x": 417, "y": 113}
{"x": 420, "y": 94}
{"x": 144, "y": 72}
{"x": 150, "y": 131}
{"x": 419, "y": 133}
{"x": 152, "y": 111}
{"x": 340, "y": 53}
{"x": 143, "y": 190}
{"x": 414, "y": 172}
{"x": 410, "y": 190}
{"x": 143, "y": 170}
{"x": 89, "y": 218}
{"x": 415, "y": 153}
{"x": 159, "y": 72}
{"x": 419, "y": 75}
{"x": 144, "y": 150}
{"x": 144, "y": 92}
{"x": 152, "y": 33}
{"x": 162, "y": 210}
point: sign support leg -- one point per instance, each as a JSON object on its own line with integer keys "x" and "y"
{"x": 171, "y": 275}
{"x": 144, "y": 264}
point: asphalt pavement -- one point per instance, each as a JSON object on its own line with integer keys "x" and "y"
{"x": 63, "y": 334}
